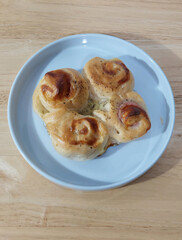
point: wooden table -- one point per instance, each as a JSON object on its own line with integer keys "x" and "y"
{"x": 31, "y": 207}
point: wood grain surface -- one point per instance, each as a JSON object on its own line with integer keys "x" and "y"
{"x": 31, "y": 207}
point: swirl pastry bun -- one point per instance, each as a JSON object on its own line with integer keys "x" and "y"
{"x": 126, "y": 117}
{"x": 85, "y": 114}
{"x": 60, "y": 87}
{"x": 76, "y": 136}
{"x": 106, "y": 77}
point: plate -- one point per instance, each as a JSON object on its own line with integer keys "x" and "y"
{"x": 120, "y": 164}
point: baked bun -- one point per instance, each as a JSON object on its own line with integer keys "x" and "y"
{"x": 76, "y": 136}
{"x": 60, "y": 87}
{"x": 85, "y": 114}
{"x": 106, "y": 77}
{"x": 126, "y": 117}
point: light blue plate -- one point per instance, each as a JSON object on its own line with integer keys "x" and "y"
{"x": 120, "y": 164}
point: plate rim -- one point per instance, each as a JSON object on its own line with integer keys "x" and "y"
{"x": 78, "y": 186}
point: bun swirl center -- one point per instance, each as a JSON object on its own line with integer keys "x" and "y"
{"x": 130, "y": 114}
{"x": 84, "y": 131}
{"x": 109, "y": 73}
{"x": 57, "y": 86}
{"x": 116, "y": 68}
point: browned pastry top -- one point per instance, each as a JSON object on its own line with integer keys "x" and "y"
{"x": 110, "y": 73}
{"x": 57, "y": 85}
{"x": 130, "y": 114}
{"x": 84, "y": 131}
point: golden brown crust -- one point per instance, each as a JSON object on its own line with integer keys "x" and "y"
{"x": 105, "y": 91}
{"x": 61, "y": 87}
{"x": 57, "y": 86}
{"x": 107, "y": 77}
{"x": 79, "y": 127}
{"x": 37, "y": 105}
{"x": 75, "y": 135}
{"x": 126, "y": 117}
{"x": 130, "y": 113}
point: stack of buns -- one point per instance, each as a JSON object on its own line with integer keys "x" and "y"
{"x": 86, "y": 113}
